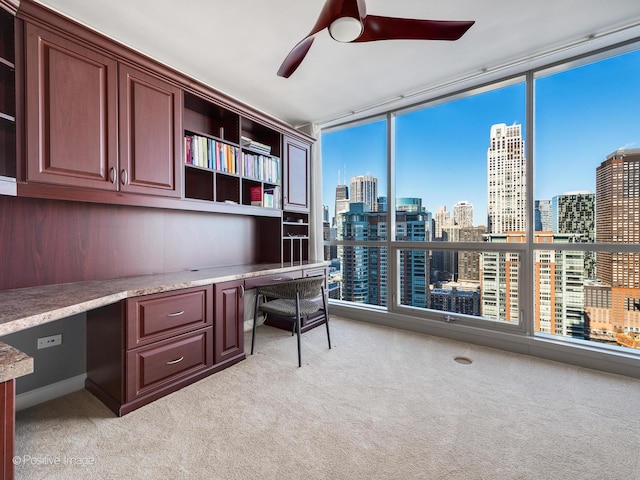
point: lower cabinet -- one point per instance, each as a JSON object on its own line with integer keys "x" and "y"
{"x": 163, "y": 363}
{"x": 143, "y": 348}
{"x": 229, "y": 325}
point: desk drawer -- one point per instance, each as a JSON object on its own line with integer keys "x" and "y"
{"x": 254, "y": 282}
{"x": 160, "y": 364}
{"x": 155, "y": 317}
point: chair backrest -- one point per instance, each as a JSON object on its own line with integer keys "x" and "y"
{"x": 309, "y": 287}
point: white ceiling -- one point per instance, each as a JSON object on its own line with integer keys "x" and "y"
{"x": 237, "y": 46}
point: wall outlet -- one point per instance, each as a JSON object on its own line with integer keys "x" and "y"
{"x": 52, "y": 341}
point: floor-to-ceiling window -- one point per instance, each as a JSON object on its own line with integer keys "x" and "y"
{"x": 512, "y": 206}
{"x": 354, "y": 169}
{"x": 460, "y": 179}
{"x": 587, "y": 166}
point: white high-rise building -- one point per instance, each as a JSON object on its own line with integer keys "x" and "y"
{"x": 441, "y": 219}
{"x": 463, "y": 214}
{"x": 506, "y": 180}
{"x": 364, "y": 188}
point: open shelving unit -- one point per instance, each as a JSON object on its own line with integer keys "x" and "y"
{"x": 7, "y": 97}
{"x": 230, "y": 159}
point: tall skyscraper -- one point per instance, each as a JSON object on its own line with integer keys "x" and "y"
{"x": 618, "y": 216}
{"x": 364, "y": 188}
{"x": 575, "y": 212}
{"x": 342, "y": 202}
{"x": 469, "y": 262}
{"x": 618, "y": 221}
{"x": 506, "y": 180}
{"x": 364, "y": 268}
{"x": 463, "y": 214}
{"x": 542, "y": 212}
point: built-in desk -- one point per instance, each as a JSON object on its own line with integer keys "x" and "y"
{"x": 29, "y": 307}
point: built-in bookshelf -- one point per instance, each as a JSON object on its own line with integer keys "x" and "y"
{"x": 7, "y": 97}
{"x": 228, "y": 158}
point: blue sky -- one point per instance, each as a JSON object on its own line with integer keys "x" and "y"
{"x": 581, "y": 116}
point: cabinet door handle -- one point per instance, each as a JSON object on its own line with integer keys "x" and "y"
{"x": 176, "y": 314}
{"x": 112, "y": 175}
{"x": 124, "y": 177}
{"x": 173, "y": 362}
{"x": 241, "y": 291}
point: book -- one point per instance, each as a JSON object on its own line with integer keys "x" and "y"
{"x": 271, "y": 197}
{"x": 256, "y": 196}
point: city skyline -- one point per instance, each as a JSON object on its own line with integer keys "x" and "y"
{"x": 578, "y": 124}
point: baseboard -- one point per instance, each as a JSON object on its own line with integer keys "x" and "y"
{"x": 49, "y": 392}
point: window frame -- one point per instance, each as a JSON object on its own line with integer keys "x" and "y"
{"x": 521, "y": 337}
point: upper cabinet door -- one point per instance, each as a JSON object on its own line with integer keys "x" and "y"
{"x": 150, "y": 134}
{"x": 71, "y": 110}
{"x": 296, "y": 175}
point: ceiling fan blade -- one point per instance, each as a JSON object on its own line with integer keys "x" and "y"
{"x": 391, "y": 28}
{"x": 295, "y": 57}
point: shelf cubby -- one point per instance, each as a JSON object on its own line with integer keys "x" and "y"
{"x": 7, "y": 93}
{"x": 295, "y": 237}
{"x": 198, "y": 183}
{"x": 7, "y": 96}
{"x": 206, "y": 118}
{"x": 7, "y": 41}
{"x": 227, "y": 188}
{"x": 262, "y": 134}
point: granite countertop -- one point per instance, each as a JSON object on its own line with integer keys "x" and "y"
{"x": 13, "y": 363}
{"x": 24, "y": 308}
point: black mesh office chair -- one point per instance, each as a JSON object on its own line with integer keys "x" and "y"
{"x": 292, "y": 300}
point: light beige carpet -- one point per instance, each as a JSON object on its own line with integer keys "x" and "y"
{"x": 382, "y": 404}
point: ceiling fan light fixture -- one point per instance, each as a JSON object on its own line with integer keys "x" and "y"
{"x": 345, "y": 29}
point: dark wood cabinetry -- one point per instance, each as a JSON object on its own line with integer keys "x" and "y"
{"x": 104, "y": 124}
{"x": 229, "y": 324}
{"x": 71, "y": 109}
{"x": 150, "y": 140}
{"x": 295, "y": 201}
{"x": 165, "y": 364}
{"x": 296, "y": 179}
{"x": 145, "y": 347}
{"x": 75, "y": 136}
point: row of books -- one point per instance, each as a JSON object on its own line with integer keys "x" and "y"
{"x": 209, "y": 153}
{"x": 261, "y": 167}
{"x": 267, "y": 197}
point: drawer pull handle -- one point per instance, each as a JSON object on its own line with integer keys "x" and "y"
{"x": 176, "y": 314}
{"x": 173, "y": 362}
{"x": 277, "y": 279}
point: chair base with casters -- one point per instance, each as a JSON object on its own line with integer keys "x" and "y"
{"x": 292, "y": 300}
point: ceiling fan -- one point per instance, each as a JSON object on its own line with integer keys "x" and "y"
{"x": 347, "y": 21}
